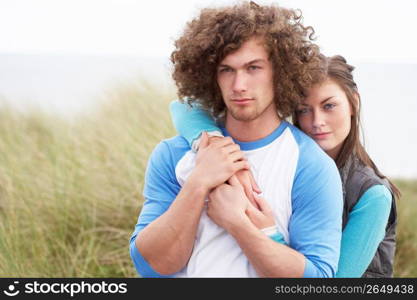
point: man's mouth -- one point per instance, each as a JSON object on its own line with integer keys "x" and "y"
{"x": 242, "y": 101}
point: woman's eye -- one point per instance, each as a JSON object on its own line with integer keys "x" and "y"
{"x": 329, "y": 106}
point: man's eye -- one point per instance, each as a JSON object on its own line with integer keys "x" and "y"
{"x": 253, "y": 68}
{"x": 302, "y": 111}
{"x": 224, "y": 70}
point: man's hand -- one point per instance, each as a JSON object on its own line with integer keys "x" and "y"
{"x": 217, "y": 161}
{"x": 244, "y": 176}
{"x": 260, "y": 215}
{"x": 227, "y": 204}
{"x": 249, "y": 184}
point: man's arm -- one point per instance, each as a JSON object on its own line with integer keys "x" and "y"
{"x": 269, "y": 258}
{"x": 314, "y": 227}
{"x": 228, "y": 208}
{"x": 167, "y": 242}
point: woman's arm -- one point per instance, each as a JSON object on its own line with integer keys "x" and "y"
{"x": 364, "y": 231}
{"x": 190, "y": 122}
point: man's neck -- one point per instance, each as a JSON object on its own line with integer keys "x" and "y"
{"x": 249, "y": 131}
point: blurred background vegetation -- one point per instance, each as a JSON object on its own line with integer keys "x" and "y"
{"x": 71, "y": 189}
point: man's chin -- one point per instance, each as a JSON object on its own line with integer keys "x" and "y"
{"x": 243, "y": 116}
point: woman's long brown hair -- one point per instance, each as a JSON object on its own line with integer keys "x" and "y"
{"x": 339, "y": 71}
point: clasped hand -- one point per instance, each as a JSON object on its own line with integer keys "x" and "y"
{"x": 233, "y": 190}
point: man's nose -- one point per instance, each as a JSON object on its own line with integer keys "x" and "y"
{"x": 240, "y": 82}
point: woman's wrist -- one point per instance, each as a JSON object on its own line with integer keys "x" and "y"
{"x": 196, "y": 143}
{"x": 273, "y": 233}
{"x": 270, "y": 231}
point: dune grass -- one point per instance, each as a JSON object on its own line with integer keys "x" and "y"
{"x": 406, "y": 254}
{"x": 71, "y": 190}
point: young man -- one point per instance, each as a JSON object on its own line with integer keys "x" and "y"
{"x": 248, "y": 65}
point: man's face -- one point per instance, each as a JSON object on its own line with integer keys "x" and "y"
{"x": 245, "y": 78}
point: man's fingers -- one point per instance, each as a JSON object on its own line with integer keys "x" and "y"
{"x": 233, "y": 181}
{"x": 252, "y": 201}
{"x": 251, "y": 206}
{"x": 262, "y": 203}
{"x": 253, "y": 210}
{"x": 244, "y": 180}
{"x": 241, "y": 165}
{"x": 255, "y": 186}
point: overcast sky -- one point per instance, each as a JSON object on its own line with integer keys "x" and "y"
{"x": 371, "y": 30}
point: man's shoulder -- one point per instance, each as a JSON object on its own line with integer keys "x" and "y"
{"x": 177, "y": 143}
{"x": 309, "y": 149}
{"x": 311, "y": 159}
{"x": 302, "y": 139}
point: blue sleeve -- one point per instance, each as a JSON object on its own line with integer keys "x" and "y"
{"x": 160, "y": 190}
{"x": 279, "y": 238}
{"x": 315, "y": 226}
{"x": 191, "y": 121}
{"x": 364, "y": 231}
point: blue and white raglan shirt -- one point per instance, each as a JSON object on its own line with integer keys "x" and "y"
{"x": 299, "y": 181}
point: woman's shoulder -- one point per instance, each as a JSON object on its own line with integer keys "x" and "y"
{"x": 361, "y": 180}
{"x": 363, "y": 176}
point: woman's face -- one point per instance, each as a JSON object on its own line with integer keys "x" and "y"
{"x": 325, "y": 115}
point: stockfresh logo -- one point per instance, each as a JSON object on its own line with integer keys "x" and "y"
{"x": 11, "y": 289}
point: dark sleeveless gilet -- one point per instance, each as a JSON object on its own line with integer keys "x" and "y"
{"x": 356, "y": 179}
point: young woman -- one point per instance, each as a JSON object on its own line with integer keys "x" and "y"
{"x": 330, "y": 115}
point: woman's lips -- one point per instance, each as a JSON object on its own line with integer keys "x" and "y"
{"x": 321, "y": 136}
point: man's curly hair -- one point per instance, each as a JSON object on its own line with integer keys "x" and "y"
{"x": 217, "y": 32}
